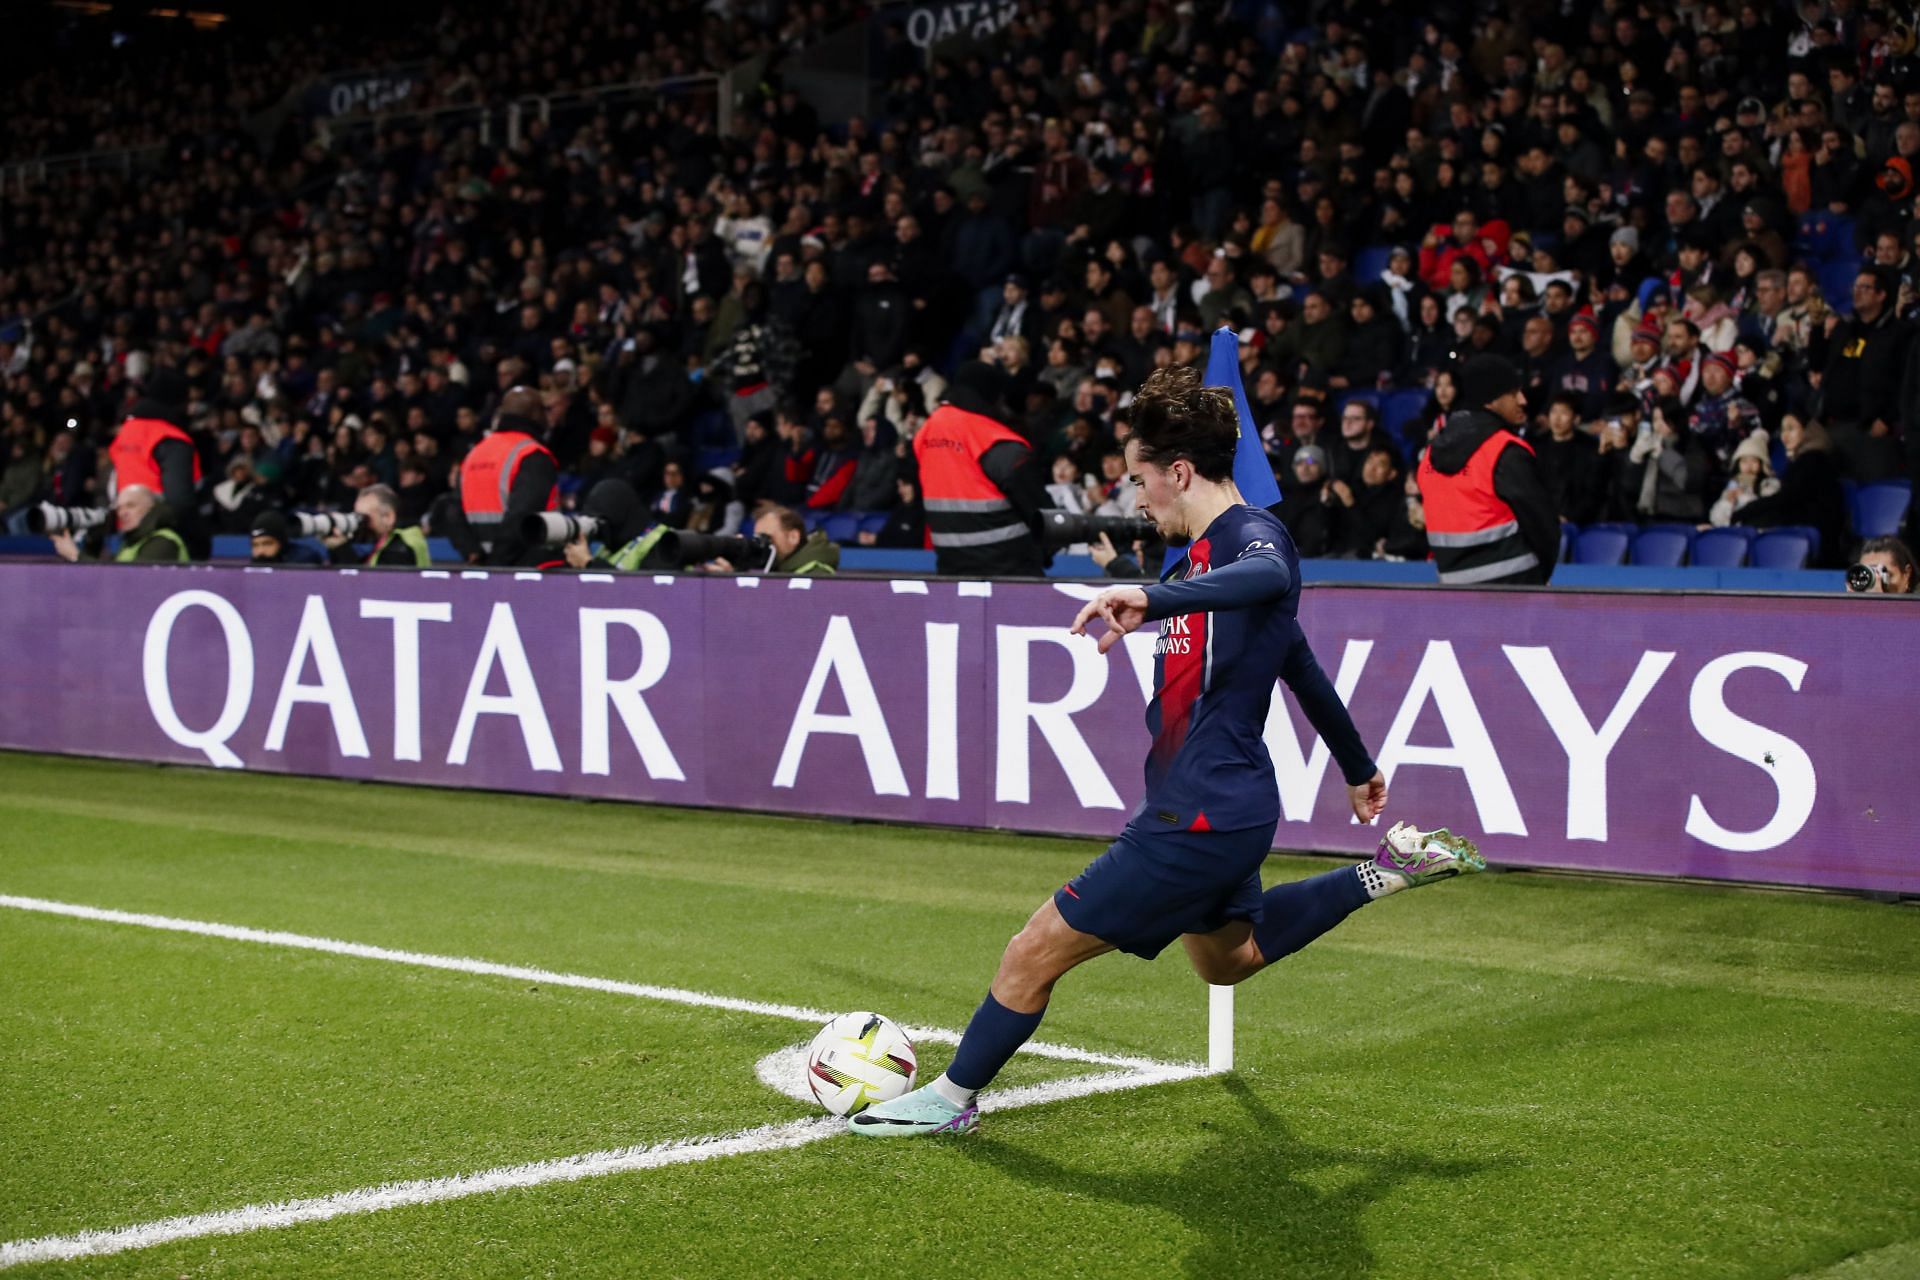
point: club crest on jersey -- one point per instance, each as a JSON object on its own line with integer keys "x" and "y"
{"x": 1176, "y": 635}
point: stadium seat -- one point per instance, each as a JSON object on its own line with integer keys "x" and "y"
{"x": 1720, "y": 548}
{"x": 1370, "y": 263}
{"x": 1782, "y": 549}
{"x": 710, "y": 459}
{"x": 1661, "y": 548}
{"x": 813, "y": 520}
{"x": 1601, "y": 545}
{"x": 1836, "y": 283}
{"x": 843, "y": 526}
{"x": 873, "y": 522}
{"x": 1398, "y": 408}
{"x": 1879, "y": 509}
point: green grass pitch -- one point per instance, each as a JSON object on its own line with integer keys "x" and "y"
{"x": 1517, "y": 1075}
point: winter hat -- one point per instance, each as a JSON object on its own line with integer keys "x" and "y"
{"x": 168, "y": 387}
{"x": 604, "y": 435}
{"x": 272, "y": 524}
{"x": 1678, "y": 370}
{"x": 1724, "y": 361}
{"x": 1627, "y": 236}
{"x": 1757, "y": 444}
{"x": 1648, "y": 333}
{"x": 1585, "y": 321}
{"x": 1485, "y": 379}
{"x": 1310, "y": 453}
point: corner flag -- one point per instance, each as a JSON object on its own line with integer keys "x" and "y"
{"x": 1252, "y": 473}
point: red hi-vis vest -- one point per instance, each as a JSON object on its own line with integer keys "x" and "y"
{"x": 964, "y": 507}
{"x": 132, "y": 453}
{"x": 486, "y": 477}
{"x": 1474, "y": 535}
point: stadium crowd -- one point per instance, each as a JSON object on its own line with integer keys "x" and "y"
{"x": 1692, "y": 226}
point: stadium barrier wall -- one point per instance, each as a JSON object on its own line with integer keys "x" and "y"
{"x": 1746, "y": 738}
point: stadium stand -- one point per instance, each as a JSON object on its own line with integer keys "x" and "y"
{"x": 711, "y": 276}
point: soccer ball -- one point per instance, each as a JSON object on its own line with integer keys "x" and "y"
{"x": 859, "y": 1059}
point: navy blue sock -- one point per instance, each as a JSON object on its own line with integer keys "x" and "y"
{"x": 992, "y": 1037}
{"x": 1292, "y": 915}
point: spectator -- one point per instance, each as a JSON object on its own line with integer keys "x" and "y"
{"x": 273, "y": 542}
{"x": 1312, "y": 513}
{"x": 1809, "y": 494}
{"x": 1860, "y": 385}
{"x": 1359, "y": 435}
{"x": 1752, "y": 478}
{"x": 1569, "y": 461}
{"x": 1673, "y": 466}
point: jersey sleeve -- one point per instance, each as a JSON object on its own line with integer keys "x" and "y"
{"x": 1249, "y": 581}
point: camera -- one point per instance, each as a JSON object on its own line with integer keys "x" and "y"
{"x": 553, "y": 529}
{"x": 1865, "y": 578}
{"x": 47, "y": 518}
{"x": 1064, "y": 528}
{"x": 749, "y": 554}
{"x": 327, "y": 524}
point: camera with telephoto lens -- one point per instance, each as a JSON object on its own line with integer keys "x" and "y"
{"x": 1065, "y": 528}
{"x": 555, "y": 529}
{"x": 327, "y": 524}
{"x": 1865, "y": 578}
{"x": 47, "y": 518}
{"x": 748, "y": 554}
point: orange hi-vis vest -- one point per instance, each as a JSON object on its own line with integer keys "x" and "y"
{"x": 132, "y": 453}
{"x": 1474, "y": 535}
{"x": 964, "y": 507}
{"x": 486, "y": 478}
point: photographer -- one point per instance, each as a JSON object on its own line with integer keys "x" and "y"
{"x": 273, "y": 542}
{"x": 1885, "y": 567}
{"x": 394, "y": 546}
{"x": 147, "y": 535}
{"x": 795, "y": 551}
{"x": 628, "y": 534}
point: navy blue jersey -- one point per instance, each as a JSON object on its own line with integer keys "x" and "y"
{"x": 1222, "y": 644}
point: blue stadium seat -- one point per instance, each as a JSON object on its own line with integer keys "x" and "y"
{"x": 873, "y": 522}
{"x": 1601, "y": 545}
{"x": 843, "y": 526}
{"x": 1807, "y": 531}
{"x": 1660, "y": 548}
{"x": 1721, "y": 548}
{"x": 1398, "y": 408}
{"x": 711, "y": 458}
{"x": 1370, "y": 263}
{"x": 1836, "y": 282}
{"x": 813, "y": 519}
{"x": 1782, "y": 549}
{"x": 1878, "y": 509}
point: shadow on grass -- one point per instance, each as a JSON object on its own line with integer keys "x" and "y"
{"x": 1255, "y": 1200}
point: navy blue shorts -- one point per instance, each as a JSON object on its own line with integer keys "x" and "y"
{"x": 1150, "y": 887}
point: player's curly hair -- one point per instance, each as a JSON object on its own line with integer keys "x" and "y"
{"x": 1174, "y": 416}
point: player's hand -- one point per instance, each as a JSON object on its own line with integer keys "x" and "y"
{"x": 1369, "y": 798}
{"x": 1123, "y": 609}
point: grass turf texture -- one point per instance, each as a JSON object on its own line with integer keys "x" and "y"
{"x": 1514, "y": 1075}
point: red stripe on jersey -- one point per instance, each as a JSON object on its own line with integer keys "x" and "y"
{"x": 1183, "y": 664}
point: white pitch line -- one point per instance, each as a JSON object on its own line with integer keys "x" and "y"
{"x": 524, "y": 973}
{"x": 1133, "y": 1073}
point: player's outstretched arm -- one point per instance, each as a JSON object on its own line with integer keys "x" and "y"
{"x": 1256, "y": 580}
{"x": 1123, "y": 609}
{"x": 1366, "y": 785}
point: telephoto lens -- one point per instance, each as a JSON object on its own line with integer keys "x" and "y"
{"x": 754, "y": 554}
{"x": 1065, "y": 528}
{"x": 327, "y": 524}
{"x": 47, "y": 518}
{"x": 1862, "y": 579}
{"x": 554, "y": 529}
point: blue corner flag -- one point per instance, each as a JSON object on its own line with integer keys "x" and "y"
{"x": 1251, "y": 470}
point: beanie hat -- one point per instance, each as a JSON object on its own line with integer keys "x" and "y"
{"x": 1647, "y": 332}
{"x": 168, "y": 387}
{"x": 1485, "y": 379}
{"x": 1724, "y": 361}
{"x": 273, "y": 524}
{"x": 1628, "y": 236}
{"x": 1585, "y": 321}
{"x": 1757, "y": 444}
{"x": 1310, "y": 453}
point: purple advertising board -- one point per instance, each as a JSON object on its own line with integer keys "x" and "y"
{"x": 1755, "y": 738}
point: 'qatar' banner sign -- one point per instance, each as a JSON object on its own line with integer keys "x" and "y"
{"x": 1736, "y": 737}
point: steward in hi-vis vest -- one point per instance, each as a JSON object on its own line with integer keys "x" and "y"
{"x": 1489, "y": 518}
{"x": 981, "y": 486}
{"x": 508, "y": 476}
{"x": 153, "y": 451}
